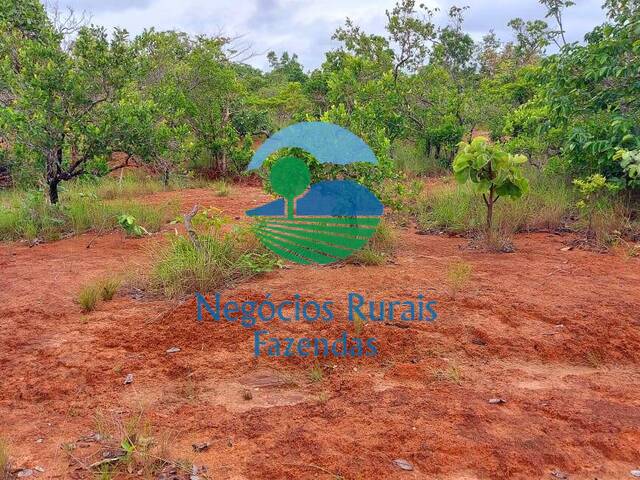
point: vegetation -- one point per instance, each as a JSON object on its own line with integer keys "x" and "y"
{"x": 78, "y": 102}
{"x": 28, "y": 215}
{"x": 219, "y": 258}
{"x": 5, "y": 461}
{"x": 458, "y": 274}
{"x": 493, "y": 172}
{"x": 379, "y": 248}
{"x": 88, "y": 298}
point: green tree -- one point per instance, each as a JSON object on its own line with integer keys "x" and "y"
{"x": 493, "y": 172}
{"x": 57, "y": 102}
{"x": 592, "y": 95}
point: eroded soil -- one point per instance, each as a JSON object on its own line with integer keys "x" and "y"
{"x": 553, "y": 332}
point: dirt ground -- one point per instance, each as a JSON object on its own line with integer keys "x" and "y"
{"x": 555, "y": 333}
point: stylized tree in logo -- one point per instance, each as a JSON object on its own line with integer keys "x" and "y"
{"x": 290, "y": 177}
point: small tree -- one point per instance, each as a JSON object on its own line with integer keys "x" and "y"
{"x": 493, "y": 172}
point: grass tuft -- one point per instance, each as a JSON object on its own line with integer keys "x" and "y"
{"x": 108, "y": 287}
{"x": 452, "y": 373}
{"x": 222, "y": 188}
{"x": 88, "y": 298}
{"x": 458, "y": 274}
{"x": 224, "y": 258}
{"x": 315, "y": 373}
{"x": 379, "y": 249}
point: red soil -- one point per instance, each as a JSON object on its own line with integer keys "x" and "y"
{"x": 554, "y": 333}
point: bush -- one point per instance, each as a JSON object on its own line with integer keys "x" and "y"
{"x": 224, "y": 258}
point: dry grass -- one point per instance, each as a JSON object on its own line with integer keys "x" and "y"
{"x": 458, "y": 275}
{"x": 315, "y": 373}
{"x": 88, "y": 298}
{"x": 5, "y": 461}
{"x": 379, "y": 248}
{"x": 108, "y": 287}
{"x": 453, "y": 373}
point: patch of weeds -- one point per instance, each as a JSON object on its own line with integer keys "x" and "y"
{"x": 315, "y": 373}
{"x": 458, "y": 274}
{"x": 222, "y": 258}
{"x": 222, "y": 188}
{"x": 28, "y": 215}
{"x": 548, "y": 205}
{"x": 128, "y": 447}
{"x": 189, "y": 390}
{"x": 380, "y": 247}
{"x": 101, "y": 424}
{"x": 452, "y": 373}
{"x": 105, "y": 472}
{"x": 88, "y": 298}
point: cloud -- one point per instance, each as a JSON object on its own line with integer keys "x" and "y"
{"x": 305, "y": 26}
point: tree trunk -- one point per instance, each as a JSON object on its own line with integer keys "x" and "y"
{"x": 490, "y": 215}
{"x": 54, "y": 165}
{"x": 53, "y": 191}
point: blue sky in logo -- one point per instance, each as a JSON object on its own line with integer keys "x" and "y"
{"x": 335, "y": 198}
{"x": 327, "y": 142}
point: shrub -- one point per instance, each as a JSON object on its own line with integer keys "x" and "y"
{"x": 595, "y": 197}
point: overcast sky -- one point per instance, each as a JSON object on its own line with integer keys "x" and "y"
{"x": 305, "y": 26}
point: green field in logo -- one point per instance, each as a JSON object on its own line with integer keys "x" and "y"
{"x": 321, "y": 239}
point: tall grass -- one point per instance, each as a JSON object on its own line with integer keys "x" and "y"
{"x": 412, "y": 160}
{"x": 222, "y": 259}
{"x": 27, "y": 215}
{"x": 455, "y": 208}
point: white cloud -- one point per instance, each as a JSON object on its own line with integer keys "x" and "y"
{"x": 305, "y": 26}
